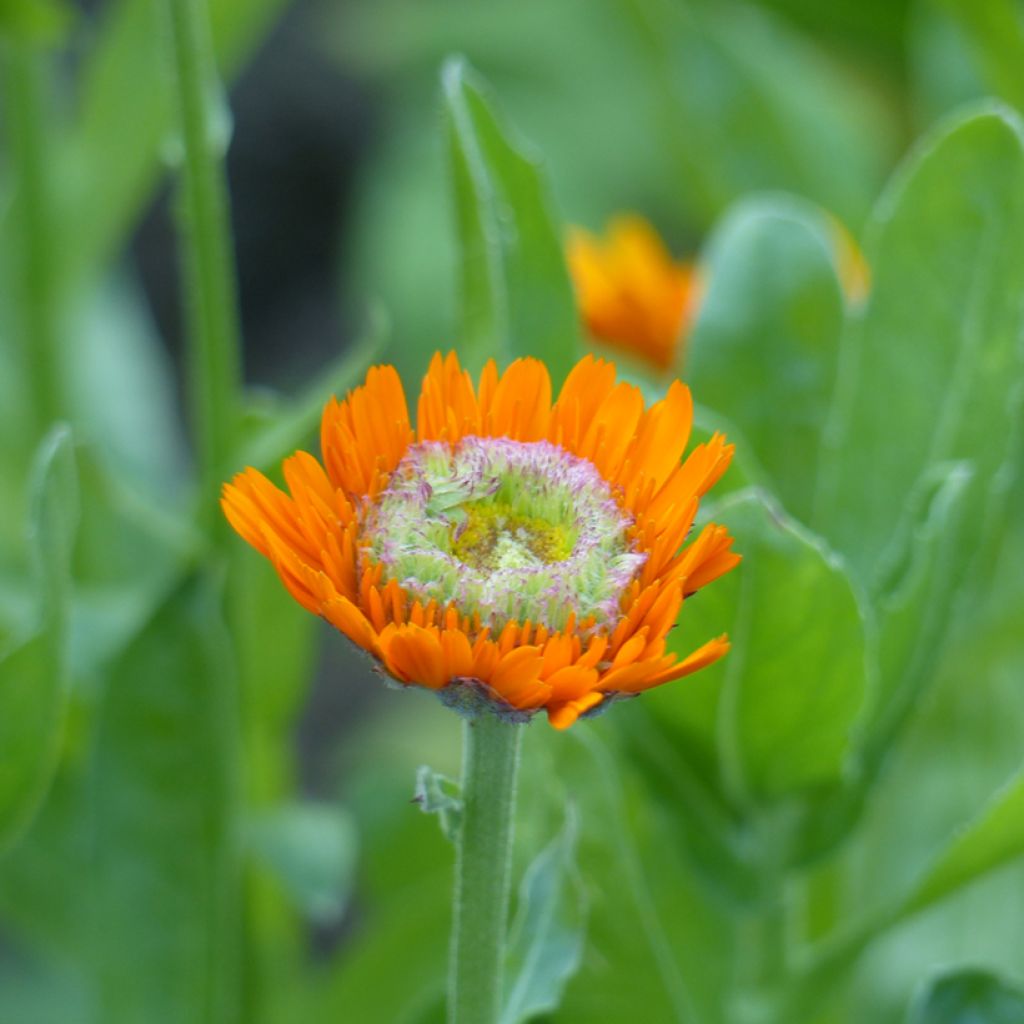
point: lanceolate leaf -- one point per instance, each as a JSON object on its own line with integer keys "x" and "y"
{"x": 294, "y": 425}
{"x": 111, "y": 158}
{"x": 515, "y": 292}
{"x": 311, "y": 849}
{"x": 34, "y": 676}
{"x": 932, "y": 372}
{"x": 547, "y": 936}
{"x": 994, "y": 838}
{"x": 781, "y": 706}
{"x": 764, "y": 349}
{"x": 912, "y": 618}
{"x": 165, "y": 826}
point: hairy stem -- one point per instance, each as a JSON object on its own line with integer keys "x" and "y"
{"x": 483, "y": 869}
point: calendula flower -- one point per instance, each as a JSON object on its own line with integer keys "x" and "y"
{"x": 509, "y": 549}
{"x": 630, "y": 291}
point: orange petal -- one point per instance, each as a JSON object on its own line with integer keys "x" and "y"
{"x": 585, "y": 389}
{"x": 414, "y": 655}
{"x": 521, "y": 406}
{"x": 448, "y": 407}
{"x": 345, "y": 616}
{"x": 701, "y": 658}
{"x": 561, "y": 716}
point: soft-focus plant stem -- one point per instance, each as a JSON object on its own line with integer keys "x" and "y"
{"x": 763, "y": 946}
{"x": 28, "y": 120}
{"x": 214, "y": 334}
{"x": 490, "y": 762}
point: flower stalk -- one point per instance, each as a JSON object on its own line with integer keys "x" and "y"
{"x": 483, "y": 868}
{"x": 214, "y": 333}
{"x": 27, "y": 85}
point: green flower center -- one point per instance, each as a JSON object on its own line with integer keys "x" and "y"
{"x": 503, "y": 529}
{"x": 494, "y": 536}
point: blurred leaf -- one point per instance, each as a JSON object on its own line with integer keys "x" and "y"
{"x": 968, "y": 996}
{"x": 913, "y": 616}
{"x": 293, "y": 426}
{"x": 995, "y": 32}
{"x": 515, "y": 291}
{"x": 275, "y": 643}
{"x": 942, "y": 70}
{"x": 993, "y": 839}
{"x": 681, "y": 774}
{"x": 119, "y": 385}
{"x": 111, "y": 159}
{"x": 782, "y": 704}
{"x": 132, "y": 550}
{"x": 311, "y": 849}
{"x": 646, "y": 921}
{"x": 36, "y": 21}
{"x": 876, "y": 27}
{"x": 405, "y": 873}
{"x": 934, "y": 379}
{"x": 546, "y": 941}
{"x": 437, "y": 794}
{"x": 764, "y": 349}
{"x": 34, "y": 676}
{"x": 751, "y": 105}
{"x": 164, "y": 792}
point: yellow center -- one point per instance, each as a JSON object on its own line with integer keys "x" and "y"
{"x": 493, "y": 536}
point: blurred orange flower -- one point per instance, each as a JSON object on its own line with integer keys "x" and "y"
{"x": 510, "y": 550}
{"x": 631, "y": 293}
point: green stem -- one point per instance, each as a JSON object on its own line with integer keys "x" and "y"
{"x": 214, "y": 333}
{"x": 483, "y": 869}
{"x": 27, "y": 103}
{"x": 763, "y": 938}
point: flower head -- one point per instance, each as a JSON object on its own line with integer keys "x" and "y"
{"x": 631, "y": 293}
{"x": 511, "y": 550}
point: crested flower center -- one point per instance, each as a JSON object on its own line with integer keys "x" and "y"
{"x": 507, "y": 530}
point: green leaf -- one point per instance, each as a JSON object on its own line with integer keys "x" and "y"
{"x": 781, "y": 706}
{"x": 292, "y": 427}
{"x": 749, "y": 104}
{"x": 931, "y": 373}
{"x": 515, "y": 291}
{"x": 34, "y": 677}
{"x": 913, "y": 615}
{"x": 968, "y": 996}
{"x": 117, "y": 350}
{"x": 311, "y": 849}
{"x": 405, "y": 877}
{"x": 764, "y": 349}
{"x": 36, "y": 21}
{"x": 111, "y": 160}
{"x": 164, "y": 795}
{"x": 994, "y": 31}
{"x": 646, "y": 921}
{"x": 440, "y": 795}
{"x": 132, "y": 550}
{"x": 993, "y": 839}
{"x": 546, "y": 941}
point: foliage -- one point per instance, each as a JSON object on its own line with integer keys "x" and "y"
{"x": 813, "y": 830}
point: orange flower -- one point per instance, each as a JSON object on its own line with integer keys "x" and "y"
{"x": 630, "y": 292}
{"x": 510, "y": 549}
